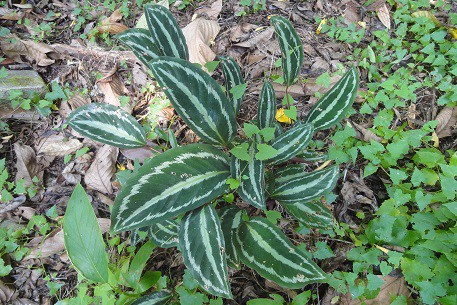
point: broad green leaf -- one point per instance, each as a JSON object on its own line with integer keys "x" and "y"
{"x": 234, "y": 82}
{"x": 202, "y": 243}
{"x": 108, "y": 124}
{"x": 313, "y": 214}
{"x": 267, "y": 250}
{"x": 133, "y": 275}
{"x": 303, "y": 187}
{"x": 252, "y": 190}
{"x": 165, "y": 32}
{"x": 83, "y": 238}
{"x": 291, "y": 48}
{"x": 250, "y": 130}
{"x": 141, "y": 43}
{"x": 230, "y": 217}
{"x": 291, "y": 142}
{"x": 197, "y": 98}
{"x": 156, "y": 298}
{"x": 179, "y": 180}
{"x": 164, "y": 234}
{"x": 332, "y": 107}
{"x": 265, "y": 152}
{"x": 267, "y": 106}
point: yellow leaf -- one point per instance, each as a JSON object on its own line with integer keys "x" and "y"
{"x": 319, "y": 28}
{"x": 435, "y": 140}
{"x": 453, "y": 32}
{"x": 363, "y": 24}
{"x": 282, "y": 117}
{"x": 386, "y": 251}
{"x": 427, "y": 15}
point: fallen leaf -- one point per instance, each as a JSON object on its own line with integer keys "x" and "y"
{"x": 199, "y": 35}
{"x": 26, "y": 164}
{"x": 282, "y": 117}
{"x": 447, "y": 122}
{"x": 393, "y": 286}
{"x": 351, "y": 14}
{"x": 139, "y": 154}
{"x": 311, "y": 85}
{"x": 111, "y": 24}
{"x": 98, "y": 176}
{"x": 6, "y": 293}
{"x": 48, "y": 148}
{"x": 374, "y": 6}
{"x": 112, "y": 86}
{"x": 211, "y": 12}
{"x": 10, "y": 14}
{"x": 259, "y": 38}
{"x": 33, "y": 51}
{"x": 67, "y": 106}
{"x": 69, "y": 174}
{"x": 384, "y": 15}
{"x": 365, "y": 134}
{"x": 321, "y": 24}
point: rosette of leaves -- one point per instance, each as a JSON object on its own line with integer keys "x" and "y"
{"x": 185, "y": 182}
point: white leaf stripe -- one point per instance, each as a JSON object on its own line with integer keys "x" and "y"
{"x": 314, "y": 214}
{"x": 230, "y": 218}
{"x": 140, "y": 42}
{"x": 165, "y": 32}
{"x": 233, "y": 78}
{"x": 266, "y": 249}
{"x": 291, "y": 142}
{"x": 331, "y": 108}
{"x": 164, "y": 234}
{"x": 156, "y": 298}
{"x": 197, "y": 98}
{"x": 291, "y": 48}
{"x": 165, "y": 186}
{"x": 267, "y": 106}
{"x": 108, "y": 124}
{"x": 202, "y": 243}
{"x": 302, "y": 187}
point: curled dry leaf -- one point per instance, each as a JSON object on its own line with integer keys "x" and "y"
{"x": 199, "y": 35}
{"x": 261, "y": 38}
{"x": 26, "y": 165}
{"x": 6, "y": 293}
{"x": 99, "y": 174}
{"x": 447, "y": 122}
{"x": 67, "y": 106}
{"x": 384, "y": 15}
{"x": 57, "y": 145}
{"x": 211, "y": 12}
{"x": 140, "y": 154}
{"x": 37, "y": 52}
{"x": 112, "y": 86}
{"x": 111, "y": 25}
{"x": 365, "y": 134}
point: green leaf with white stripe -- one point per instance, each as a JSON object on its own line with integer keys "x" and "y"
{"x": 267, "y": 106}
{"x": 304, "y": 187}
{"x": 332, "y": 107}
{"x": 165, "y": 32}
{"x": 233, "y": 78}
{"x": 252, "y": 189}
{"x": 108, "y": 124}
{"x": 176, "y": 181}
{"x": 313, "y": 214}
{"x": 141, "y": 43}
{"x": 291, "y": 142}
{"x": 156, "y": 298}
{"x": 230, "y": 217}
{"x": 165, "y": 233}
{"x": 291, "y": 48}
{"x": 267, "y": 250}
{"x": 197, "y": 98}
{"x": 202, "y": 247}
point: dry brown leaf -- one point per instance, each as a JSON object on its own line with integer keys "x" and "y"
{"x": 393, "y": 286}
{"x": 57, "y": 146}
{"x": 139, "y": 154}
{"x": 365, "y": 134}
{"x": 374, "y": 6}
{"x": 112, "y": 86}
{"x": 26, "y": 165}
{"x": 447, "y": 122}
{"x": 112, "y": 28}
{"x": 241, "y": 32}
{"x": 98, "y": 176}
{"x": 312, "y": 87}
{"x": 33, "y": 51}
{"x": 384, "y": 15}
{"x": 260, "y": 38}
{"x": 211, "y": 12}
{"x": 6, "y": 293}
{"x": 10, "y": 14}
{"x": 69, "y": 174}
{"x": 23, "y": 301}
{"x": 351, "y": 14}
{"x": 199, "y": 35}
{"x": 67, "y": 106}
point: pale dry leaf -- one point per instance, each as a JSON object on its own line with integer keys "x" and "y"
{"x": 384, "y": 15}
{"x": 6, "y": 293}
{"x": 365, "y": 134}
{"x": 114, "y": 17}
{"x": 112, "y": 28}
{"x": 33, "y": 51}
{"x": 26, "y": 164}
{"x": 9, "y": 14}
{"x": 260, "y": 38}
{"x": 393, "y": 286}
{"x": 23, "y": 301}
{"x": 57, "y": 146}
{"x": 99, "y": 174}
{"x": 241, "y": 32}
{"x": 351, "y": 14}
{"x": 67, "y": 106}
{"x": 69, "y": 174}
{"x": 140, "y": 154}
{"x": 199, "y": 35}
{"x": 447, "y": 122}
{"x": 211, "y": 12}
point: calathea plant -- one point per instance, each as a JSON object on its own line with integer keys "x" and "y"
{"x": 189, "y": 180}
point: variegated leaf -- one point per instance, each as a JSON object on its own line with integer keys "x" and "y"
{"x": 165, "y": 233}
{"x": 291, "y": 142}
{"x": 233, "y": 78}
{"x": 165, "y": 32}
{"x": 156, "y": 298}
{"x": 176, "y": 181}
{"x": 197, "y": 98}
{"x": 230, "y": 217}
{"x": 332, "y": 107}
{"x": 265, "y": 248}
{"x": 267, "y": 106}
{"x": 304, "y": 187}
{"x": 252, "y": 190}
{"x": 291, "y": 48}
{"x": 202, "y": 247}
{"x": 108, "y": 124}
{"x": 313, "y": 214}
{"x": 141, "y": 43}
